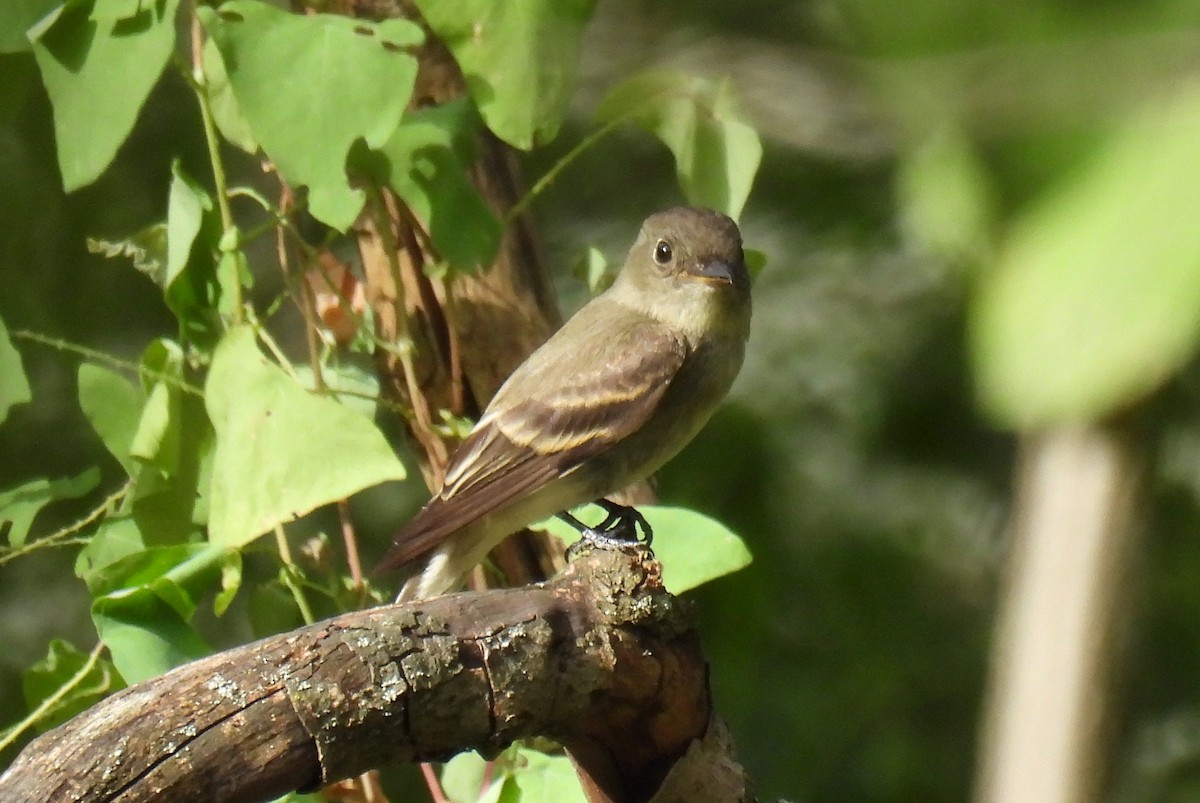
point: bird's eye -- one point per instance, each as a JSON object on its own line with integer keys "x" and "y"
{"x": 662, "y": 252}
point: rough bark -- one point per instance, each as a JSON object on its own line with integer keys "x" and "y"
{"x": 602, "y": 659}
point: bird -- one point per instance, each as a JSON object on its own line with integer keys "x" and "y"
{"x": 608, "y": 399}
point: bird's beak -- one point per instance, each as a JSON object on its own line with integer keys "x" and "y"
{"x": 714, "y": 271}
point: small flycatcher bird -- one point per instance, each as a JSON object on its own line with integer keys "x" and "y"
{"x": 618, "y": 391}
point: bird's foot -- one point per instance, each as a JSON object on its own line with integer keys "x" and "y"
{"x": 619, "y": 529}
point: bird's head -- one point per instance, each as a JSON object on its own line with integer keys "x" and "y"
{"x": 687, "y": 269}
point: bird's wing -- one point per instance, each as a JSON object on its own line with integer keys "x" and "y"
{"x": 544, "y": 423}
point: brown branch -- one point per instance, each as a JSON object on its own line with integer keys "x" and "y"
{"x": 601, "y": 659}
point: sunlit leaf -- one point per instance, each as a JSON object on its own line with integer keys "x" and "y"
{"x": 62, "y": 664}
{"x": 14, "y": 386}
{"x": 281, "y": 451}
{"x": 1096, "y": 298}
{"x": 716, "y": 151}
{"x": 112, "y": 404}
{"x": 428, "y": 164}
{"x": 309, "y": 85}
{"x": 99, "y": 60}
{"x": 519, "y": 58}
{"x": 20, "y": 506}
{"x": 143, "y": 604}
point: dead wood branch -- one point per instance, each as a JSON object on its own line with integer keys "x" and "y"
{"x": 601, "y": 659}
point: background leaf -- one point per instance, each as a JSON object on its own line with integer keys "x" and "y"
{"x": 113, "y": 406}
{"x": 14, "y": 386}
{"x": 62, "y": 662}
{"x": 144, "y": 602}
{"x": 107, "y": 52}
{"x": 21, "y": 505}
{"x": 1096, "y": 300}
{"x": 428, "y": 166}
{"x": 519, "y": 59}
{"x": 281, "y": 451}
{"x": 716, "y": 151}
{"x": 310, "y": 85}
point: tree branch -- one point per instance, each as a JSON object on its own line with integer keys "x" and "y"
{"x": 601, "y": 659}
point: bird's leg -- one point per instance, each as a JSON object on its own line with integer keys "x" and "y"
{"x": 625, "y": 518}
{"x": 619, "y": 527}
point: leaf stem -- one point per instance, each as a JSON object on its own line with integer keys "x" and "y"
{"x": 62, "y": 537}
{"x": 48, "y": 704}
{"x": 221, "y": 185}
{"x": 290, "y": 573}
{"x": 550, "y": 175}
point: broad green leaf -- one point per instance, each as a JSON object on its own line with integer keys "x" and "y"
{"x": 192, "y": 286}
{"x": 946, "y": 197}
{"x": 14, "y": 386}
{"x": 692, "y": 547}
{"x": 157, "y": 441}
{"x": 112, "y": 405}
{"x": 755, "y": 262}
{"x": 18, "y": 17}
{"x": 281, "y": 451}
{"x": 716, "y": 151}
{"x": 116, "y": 538}
{"x": 593, "y": 270}
{"x": 144, "y": 634}
{"x": 1096, "y": 297}
{"x": 519, "y": 58}
{"x": 463, "y": 777}
{"x": 19, "y": 506}
{"x": 226, "y": 112}
{"x": 309, "y": 86}
{"x": 428, "y": 161}
{"x": 350, "y": 384}
{"x": 143, "y": 602}
{"x": 99, "y": 60}
{"x": 173, "y": 443}
{"x": 540, "y": 777}
{"x": 187, "y": 204}
{"x": 61, "y": 666}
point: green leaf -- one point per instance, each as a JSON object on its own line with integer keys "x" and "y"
{"x": 19, "y": 506}
{"x": 463, "y": 777}
{"x": 593, "y": 270}
{"x": 173, "y": 445}
{"x": 14, "y": 387}
{"x": 755, "y": 262}
{"x": 428, "y": 161}
{"x": 519, "y": 58}
{"x": 226, "y": 112}
{"x": 540, "y": 777}
{"x": 281, "y": 451}
{"x": 692, "y": 547}
{"x": 99, "y": 60}
{"x": 116, "y": 538}
{"x": 187, "y": 203}
{"x": 143, "y": 602}
{"x": 350, "y": 384}
{"x": 716, "y": 152}
{"x": 62, "y": 666}
{"x": 145, "y": 634}
{"x": 112, "y": 405}
{"x": 309, "y": 86}
{"x": 946, "y": 197}
{"x": 18, "y": 17}
{"x": 1096, "y": 298}
{"x": 157, "y": 441}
